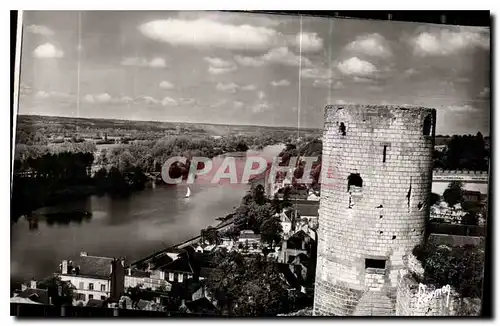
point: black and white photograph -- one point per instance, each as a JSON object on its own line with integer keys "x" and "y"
{"x": 249, "y": 164}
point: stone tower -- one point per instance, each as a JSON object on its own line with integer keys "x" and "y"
{"x": 376, "y": 184}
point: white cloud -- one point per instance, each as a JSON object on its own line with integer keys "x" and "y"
{"x": 146, "y": 100}
{"x": 219, "y": 66}
{"x": 229, "y": 87}
{"x": 42, "y": 94}
{"x": 89, "y": 98}
{"x": 167, "y": 101}
{"x": 250, "y": 87}
{"x": 234, "y": 18}
{"x": 485, "y": 93}
{"x": 238, "y": 104}
{"x": 410, "y": 72}
{"x": 157, "y": 63}
{"x": 356, "y": 67}
{"x": 307, "y": 42}
{"x": 261, "y": 95}
{"x": 122, "y": 100}
{"x": 443, "y": 42}
{"x": 143, "y": 62}
{"x": 248, "y": 61}
{"x": 47, "y": 50}
{"x": 328, "y": 83}
{"x": 218, "y": 71}
{"x": 103, "y": 98}
{"x": 40, "y": 30}
{"x": 370, "y": 44}
{"x": 282, "y": 82}
{"x": 261, "y": 107}
{"x": 284, "y": 56}
{"x": 316, "y": 73}
{"x": 187, "y": 100}
{"x": 462, "y": 108}
{"x": 206, "y": 33}
{"x": 166, "y": 84}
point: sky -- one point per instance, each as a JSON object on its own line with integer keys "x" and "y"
{"x": 243, "y": 68}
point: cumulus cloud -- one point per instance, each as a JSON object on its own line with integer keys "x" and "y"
{"x": 462, "y": 108}
{"x": 209, "y": 34}
{"x": 370, "y": 44}
{"x": 227, "y": 87}
{"x": 42, "y": 94}
{"x": 146, "y": 100}
{"x": 103, "y": 98}
{"x": 356, "y": 67}
{"x": 238, "y": 104}
{"x": 250, "y": 87}
{"x": 316, "y": 73}
{"x": 219, "y": 66}
{"x": 234, "y": 18}
{"x": 47, "y": 50}
{"x": 166, "y": 85}
{"x": 89, "y": 98}
{"x": 249, "y": 61}
{"x": 261, "y": 107}
{"x": 443, "y": 42}
{"x": 261, "y": 95}
{"x": 307, "y": 42}
{"x": 187, "y": 100}
{"x": 168, "y": 101}
{"x": 143, "y": 62}
{"x": 410, "y": 72}
{"x": 328, "y": 83}
{"x": 282, "y": 82}
{"x": 40, "y": 30}
{"x": 284, "y": 56}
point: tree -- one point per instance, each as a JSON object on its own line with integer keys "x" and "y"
{"x": 271, "y": 230}
{"x": 248, "y": 286}
{"x": 435, "y": 199}
{"x": 454, "y": 193}
{"x": 460, "y": 267}
{"x": 61, "y": 292}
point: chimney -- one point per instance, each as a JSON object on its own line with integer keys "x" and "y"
{"x": 129, "y": 271}
{"x": 64, "y": 269}
{"x": 83, "y": 254}
{"x": 122, "y": 261}
{"x": 33, "y": 284}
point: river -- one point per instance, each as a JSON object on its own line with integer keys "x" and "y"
{"x": 131, "y": 227}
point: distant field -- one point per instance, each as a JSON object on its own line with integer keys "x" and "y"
{"x": 87, "y": 128}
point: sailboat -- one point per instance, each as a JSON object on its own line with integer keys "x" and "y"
{"x": 188, "y": 193}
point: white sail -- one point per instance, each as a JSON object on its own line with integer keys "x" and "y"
{"x": 188, "y": 193}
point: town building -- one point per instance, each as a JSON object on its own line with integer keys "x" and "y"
{"x": 94, "y": 277}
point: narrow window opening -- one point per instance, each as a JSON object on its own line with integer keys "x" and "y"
{"x": 413, "y": 230}
{"x": 375, "y": 263}
{"x": 380, "y": 206}
{"x": 427, "y": 125}
{"x": 408, "y": 196}
{"x": 381, "y": 232}
{"x": 393, "y": 237}
{"x": 342, "y": 129}
{"x": 385, "y": 153}
{"x": 420, "y": 206}
{"x": 354, "y": 180}
{"x": 381, "y": 216}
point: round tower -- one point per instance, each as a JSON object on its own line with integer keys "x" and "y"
{"x": 376, "y": 183}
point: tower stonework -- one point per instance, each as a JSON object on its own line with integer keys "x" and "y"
{"x": 374, "y": 204}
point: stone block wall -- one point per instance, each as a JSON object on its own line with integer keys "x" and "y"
{"x": 376, "y": 183}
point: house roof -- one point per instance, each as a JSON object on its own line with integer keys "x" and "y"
{"x": 161, "y": 261}
{"x": 22, "y": 300}
{"x": 37, "y": 295}
{"x": 181, "y": 264}
{"x": 98, "y": 267}
{"x": 202, "y": 305}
